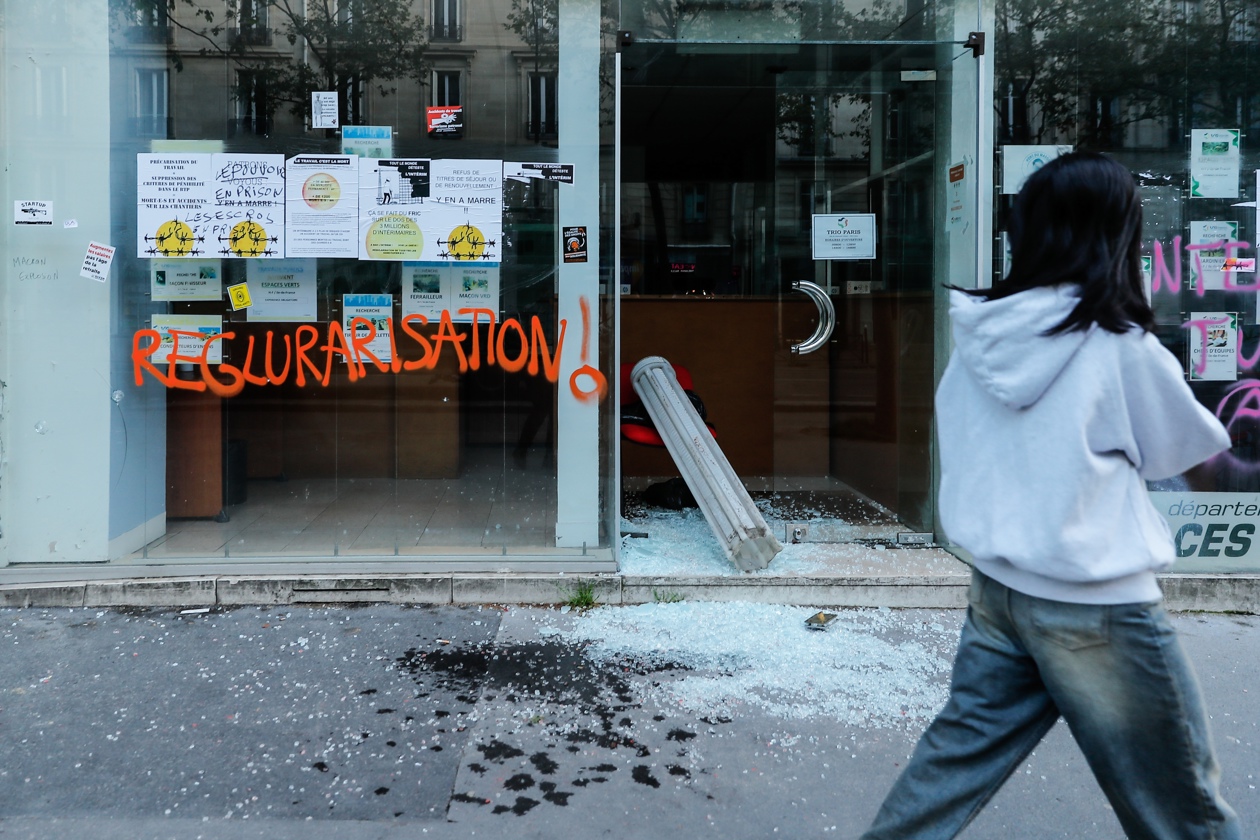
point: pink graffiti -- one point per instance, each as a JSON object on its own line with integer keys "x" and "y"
{"x": 1240, "y": 403}
{"x": 1163, "y": 279}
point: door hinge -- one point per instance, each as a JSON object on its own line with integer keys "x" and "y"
{"x": 975, "y": 43}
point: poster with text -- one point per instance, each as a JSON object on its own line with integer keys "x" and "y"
{"x": 474, "y": 286}
{"x": 392, "y": 199}
{"x": 375, "y": 310}
{"x": 247, "y": 214}
{"x": 463, "y": 217}
{"x": 174, "y": 200}
{"x": 186, "y": 279}
{"x": 1215, "y": 161}
{"x": 369, "y": 141}
{"x": 1018, "y": 162}
{"x": 1206, "y": 265}
{"x": 1211, "y": 531}
{"x": 195, "y": 331}
{"x": 282, "y": 290}
{"x": 425, "y": 291}
{"x": 322, "y": 206}
{"x": 1213, "y": 345}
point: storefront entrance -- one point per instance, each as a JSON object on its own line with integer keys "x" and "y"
{"x": 748, "y": 169}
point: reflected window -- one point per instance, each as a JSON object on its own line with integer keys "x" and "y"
{"x": 251, "y": 23}
{"x": 252, "y": 114}
{"x": 542, "y": 106}
{"x": 446, "y": 87}
{"x": 152, "y": 91}
{"x": 445, "y": 22}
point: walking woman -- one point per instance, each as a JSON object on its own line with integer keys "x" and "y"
{"x": 1056, "y": 407}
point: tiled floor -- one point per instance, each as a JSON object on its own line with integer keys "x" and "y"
{"x": 493, "y": 505}
{"x": 496, "y": 505}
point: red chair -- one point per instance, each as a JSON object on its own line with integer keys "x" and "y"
{"x": 636, "y": 425}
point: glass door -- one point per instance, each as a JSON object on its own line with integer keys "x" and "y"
{"x": 762, "y": 185}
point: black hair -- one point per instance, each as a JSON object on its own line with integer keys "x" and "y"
{"x": 1078, "y": 219}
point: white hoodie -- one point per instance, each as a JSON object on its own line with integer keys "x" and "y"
{"x": 1046, "y": 442}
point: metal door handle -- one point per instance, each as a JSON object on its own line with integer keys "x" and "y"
{"x": 826, "y": 317}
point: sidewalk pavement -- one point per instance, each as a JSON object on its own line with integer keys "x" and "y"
{"x": 729, "y": 720}
{"x": 840, "y": 575}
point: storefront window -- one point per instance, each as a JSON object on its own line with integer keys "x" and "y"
{"x": 334, "y": 320}
{"x": 1170, "y": 90}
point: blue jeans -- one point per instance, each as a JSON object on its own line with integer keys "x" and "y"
{"x": 1116, "y": 673}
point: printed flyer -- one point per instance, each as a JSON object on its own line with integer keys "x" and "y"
{"x": 392, "y": 194}
{"x": 1208, "y": 265}
{"x": 1215, "y": 161}
{"x": 425, "y": 291}
{"x": 1213, "y": 344}
{"x": 376, "y": 310}
{"x": 173, "y": 204}
{"x": 194, "y": 204}
{"x": 186, "y": 279}
{"x": 322, "y": 206}
{"x": 282, "y": 290}
{"x": 201, "y": 328}
{"x": 474, "y": 286}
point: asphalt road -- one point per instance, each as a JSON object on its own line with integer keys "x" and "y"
{"x": 456, "y": 722}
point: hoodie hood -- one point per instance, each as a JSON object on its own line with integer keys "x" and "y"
{"x": 1003, "y": 342}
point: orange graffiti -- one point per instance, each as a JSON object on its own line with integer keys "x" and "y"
{"x": 352, "y": 348}
{"x": 592, "y": 373}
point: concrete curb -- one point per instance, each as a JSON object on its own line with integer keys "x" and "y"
{"x": 1205, "y": 593}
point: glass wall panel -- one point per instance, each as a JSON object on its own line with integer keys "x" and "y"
{"x": 333, "y": 319}
{"x": 1170, "y": 90}
{"x": 756, "y": 138}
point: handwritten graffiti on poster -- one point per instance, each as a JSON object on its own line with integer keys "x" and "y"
{"x": 392, "y": 196}
{"x": 191, "y": 205}
{"x": 322, "y": 206}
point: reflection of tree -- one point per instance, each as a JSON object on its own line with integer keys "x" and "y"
{"x": 1083, "y": 65}
{"x": 1083, "y": 71}
{"x": 342, "y": 45}
{"x": 537, "y": 23}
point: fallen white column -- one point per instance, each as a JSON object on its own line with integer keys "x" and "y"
{"x": 735, "y": 520}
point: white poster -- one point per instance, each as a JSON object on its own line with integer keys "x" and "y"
{"x": 392, "y": 200}
{"x": 848, "y": 236}
{"x": 282, "y": 290}
{"x": 1213, "y": 343}
{"x": 324, "y": 112}
{"x": 39, "y": 213}
{"x": 186, "y": 279}
{"x": 472, "y": 286}
{"x": 1215, "y": 161}
{"x": 424, "y": 291}
{"x": 1207, "y": 266}
{"x": 195, "y": 331}
{"x": 376, "y": 310}
{"x": 248, "y": 206}
{"x": 96, "y": 262}
{"x": 322, "y": 206}
{"x": 561, "y": 173}
{"x": 173, "y": 204}
{"x": 1018, "y": 162}
{"x": 463, "y": 217}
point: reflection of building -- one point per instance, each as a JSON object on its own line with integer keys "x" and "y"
{"x": 173, "y": 65}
